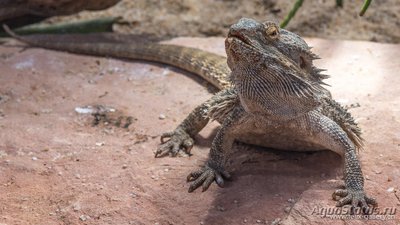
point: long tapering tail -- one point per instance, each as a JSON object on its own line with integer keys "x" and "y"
{"x": 209, "y": 66}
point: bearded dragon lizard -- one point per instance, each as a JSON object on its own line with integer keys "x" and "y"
{"x": 270, "y": 95}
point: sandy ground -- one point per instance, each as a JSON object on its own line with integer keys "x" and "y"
{"x": 57, "y": 167}
{"x": 176, "y": 18}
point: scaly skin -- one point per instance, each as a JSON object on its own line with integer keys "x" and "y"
{"x": 274, "y": 97}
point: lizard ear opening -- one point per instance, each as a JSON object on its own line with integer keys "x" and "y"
{"x": 303, "y": 63}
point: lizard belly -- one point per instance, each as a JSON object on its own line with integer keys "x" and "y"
{"x": 292, "y": 135}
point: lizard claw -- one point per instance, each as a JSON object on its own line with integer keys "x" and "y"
{"x": 178, "y": 140}
{"x": 353, "y": 197}
{"x": 205, "y": 176}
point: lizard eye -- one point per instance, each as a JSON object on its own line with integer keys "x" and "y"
{"x": 272, "y": 31}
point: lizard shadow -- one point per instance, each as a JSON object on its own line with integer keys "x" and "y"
{"x": 178, "y": 71}
{"x": 266, "y": 181}
{"x": 206, "y": 140}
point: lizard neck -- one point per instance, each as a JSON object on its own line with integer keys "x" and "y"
{"x": 261, "y": 96}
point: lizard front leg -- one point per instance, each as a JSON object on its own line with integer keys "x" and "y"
{"x": 214, "y": 169}
{"x": 182, "y": 137}
{"x": 336, "y": 139}
{"x": 353, "y": 193}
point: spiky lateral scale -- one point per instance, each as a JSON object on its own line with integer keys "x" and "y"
{"x": 341, "y": 116}
{"x": 222, "y": 106}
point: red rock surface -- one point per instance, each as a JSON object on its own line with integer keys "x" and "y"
{"x": 56, "y": 168}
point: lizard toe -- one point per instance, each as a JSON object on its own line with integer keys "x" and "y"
{"x": 371, "y": 201}
{"x": 204, "y": 177}
{"x": 207, "y": 182}
{"x": 343, "y": 201}
{"x": 178, "y": 141}
{"x": 163, "y": 150}
{"x": 175, "y": 149}
{"x": 198, "y": 182}
{"x": 355, "y": 198}
{"x": 166, "y": 135}
{"x": 188, "y": 145}
{"x": 194, "y": 175}
{"x": 339, "y": 193}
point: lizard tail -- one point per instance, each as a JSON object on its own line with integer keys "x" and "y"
{"x": 209, "y": 66}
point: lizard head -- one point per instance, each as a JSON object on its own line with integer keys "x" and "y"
{"x": 272, "y": 69}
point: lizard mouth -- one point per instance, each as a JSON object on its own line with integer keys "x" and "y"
{"x": 240, "y": 38}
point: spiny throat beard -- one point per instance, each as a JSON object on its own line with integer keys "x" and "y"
{"x": 261, "y": 94}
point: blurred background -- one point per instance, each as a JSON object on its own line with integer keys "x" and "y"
{"x": 172, "y": 18}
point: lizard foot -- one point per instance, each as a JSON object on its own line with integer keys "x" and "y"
{"x": 353, "y": 197}
{"x": 205, "y": 176}
{"x": 178, "y": 140}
